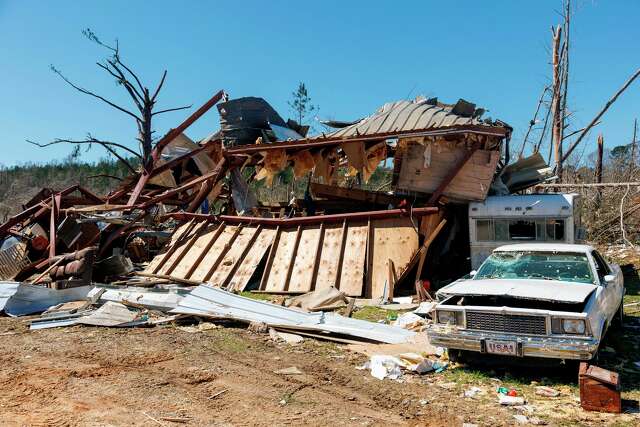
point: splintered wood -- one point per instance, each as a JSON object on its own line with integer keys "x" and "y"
{"x": 352, "y": 255}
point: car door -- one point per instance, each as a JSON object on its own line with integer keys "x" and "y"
{"x": 611, "y": 292}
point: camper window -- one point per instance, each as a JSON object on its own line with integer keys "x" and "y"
{"x": 504, "y": 230}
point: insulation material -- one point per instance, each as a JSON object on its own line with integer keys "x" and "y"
{"x": 470, "y": 184}
{"x": 302, "y": 163}
{"x": 356, "y": 155}
{"x": 374, "y": 156}
{"x": 325, "y": 162}
{"x": 273, "y": 162}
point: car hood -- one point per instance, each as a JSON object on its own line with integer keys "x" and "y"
{"x": 544, "y": 290}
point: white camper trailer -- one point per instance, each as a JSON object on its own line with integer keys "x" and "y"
{"x": 503, "y": 220}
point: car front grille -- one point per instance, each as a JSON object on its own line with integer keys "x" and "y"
{"x": 510, "y": 323}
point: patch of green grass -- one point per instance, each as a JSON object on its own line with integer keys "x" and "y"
{"x": 374, "y": 314}
{"x": 228, "y": 340}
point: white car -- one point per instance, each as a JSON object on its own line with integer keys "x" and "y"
{"x": 540, "y": 300}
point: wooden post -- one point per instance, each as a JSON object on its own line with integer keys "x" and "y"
{"x": 556, "y": 126}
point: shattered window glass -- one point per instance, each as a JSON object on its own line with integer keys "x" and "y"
{"x": 568, "y": 267}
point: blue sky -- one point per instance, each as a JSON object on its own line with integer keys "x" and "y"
{"x": 353, "y": 56}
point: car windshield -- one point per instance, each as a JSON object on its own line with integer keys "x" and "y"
{"x": 568, "y": 267}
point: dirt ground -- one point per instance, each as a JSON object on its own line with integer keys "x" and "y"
{"x": 93, "y": 376}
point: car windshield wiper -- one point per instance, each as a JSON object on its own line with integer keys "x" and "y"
{"x": 540, "y": 276}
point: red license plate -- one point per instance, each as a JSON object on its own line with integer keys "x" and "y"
{"x": 502, "y": 347}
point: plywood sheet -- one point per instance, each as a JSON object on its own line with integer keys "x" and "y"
{"x": 251, "y": 261}
{"x": 329, "y": 256}
{"x": 177, "y": 234}
{"x": 233, "y": 256}
{"x": 302, "y": 273}
{"x": 352, "y": 273}
{"x": 394, "y": 239}
{"x": 218, "y": 250}
{"x": 282, "y": 258}
{"x": 471, "y": 183}
{"x": 192, "y": 256}
{"x": 180, "y": 247}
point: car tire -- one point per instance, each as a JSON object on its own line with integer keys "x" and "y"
{"x": 456, "y": 356}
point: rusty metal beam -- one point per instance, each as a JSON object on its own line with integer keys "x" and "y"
{"x": 170, "y": 136}
{"x": 214, "y": 175}
{"x": 304, "y": 144}
{"x": 304, "y": 220}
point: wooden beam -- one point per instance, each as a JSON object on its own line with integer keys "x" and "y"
{"x": 316, "y": 258}
{"x": 272, "y": 253}
{"x": 343, "y": 244}
{"x": 292, "y": 261}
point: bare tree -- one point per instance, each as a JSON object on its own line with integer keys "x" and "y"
{"x": 143, "y": 99}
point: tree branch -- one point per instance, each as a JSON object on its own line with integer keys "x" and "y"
{"x": 601, "y": 113}
{"x": 87, "y": 92}
{"x": 90, "y": 140}
{"x": 155, "y": 94}
{"x": 171, "y": 109}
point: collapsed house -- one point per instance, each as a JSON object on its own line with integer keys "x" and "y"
{"x": 191, "y": 216}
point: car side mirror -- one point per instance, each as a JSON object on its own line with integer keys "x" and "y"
{"x": 609, "y": 278}
{"x": 472, "y": 273}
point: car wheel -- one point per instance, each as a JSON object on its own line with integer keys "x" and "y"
{"x": 455, "y": 356}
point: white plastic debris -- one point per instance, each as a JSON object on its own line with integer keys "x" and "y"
{"x": 385, "y": 367}
{"x": 503, "y": 399}
{"x": 472, "y": 392}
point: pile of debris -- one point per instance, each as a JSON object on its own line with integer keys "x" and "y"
{"x": 187, "y": 233}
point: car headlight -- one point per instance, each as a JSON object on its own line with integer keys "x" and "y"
{"x": 573, "y": 326}
{"x": 445, "y": 316}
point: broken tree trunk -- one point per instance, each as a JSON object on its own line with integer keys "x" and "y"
{"x": 556, "y": 127}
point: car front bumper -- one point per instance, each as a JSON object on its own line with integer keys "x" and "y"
{"x": 528, "y": 346}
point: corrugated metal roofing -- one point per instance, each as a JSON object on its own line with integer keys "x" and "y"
{"x": 399, "y": 116}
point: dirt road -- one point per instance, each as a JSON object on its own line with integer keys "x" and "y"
{"x": 100, "y": 376}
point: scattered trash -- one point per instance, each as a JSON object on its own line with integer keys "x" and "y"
{"x": 547, "y": 391}
{"x": 410, "y": 321}
{"x": 472, "y": 392}
{"x": 448, "y": 386}
{"x": 385, "y": 367}
{"x": 292, "y": 370}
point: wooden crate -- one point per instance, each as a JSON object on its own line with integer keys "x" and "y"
{"x": 599, "y": 389}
